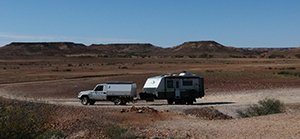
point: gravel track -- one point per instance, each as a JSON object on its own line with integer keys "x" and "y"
{"x": 226, "y": 102}
{"x": 284, "y": 125}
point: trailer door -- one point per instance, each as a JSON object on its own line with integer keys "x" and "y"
{"x": 177, "y": 89}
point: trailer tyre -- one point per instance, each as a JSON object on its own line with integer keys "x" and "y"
{"x": 190, "y": 101}
{"x": 182, "y": 101}
{"x": 170, "y": 101}
{"x": 85, "y": 100}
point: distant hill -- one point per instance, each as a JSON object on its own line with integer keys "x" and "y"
{"x": 198, "y": 48}
{"x": 192, "y": 49}
{"x": 201, "y": 46}
{"x": 127, "y": 49}
{"x": 42, "y": 48}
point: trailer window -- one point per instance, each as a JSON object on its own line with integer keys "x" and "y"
{"x": 99, "y": 88}
{"x": 187, "y": 83}
{"x": 169, "y": 83}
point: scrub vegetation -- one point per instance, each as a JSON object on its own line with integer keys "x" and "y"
{"x": 264, "y": 107}
{"x": 26, "y": 120}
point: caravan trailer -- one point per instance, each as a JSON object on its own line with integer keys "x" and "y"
{"x": 181, "y": 89}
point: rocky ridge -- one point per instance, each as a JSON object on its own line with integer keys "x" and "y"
{"x": 192, "y": 49}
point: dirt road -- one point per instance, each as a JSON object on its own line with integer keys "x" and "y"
{"x": 225, "y": 102}
{"x": 284, "y": 125}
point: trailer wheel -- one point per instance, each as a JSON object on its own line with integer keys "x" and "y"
{"x": 170, "y": 101}
{"x": 182, "y": 101}
{"x": 85, "y": 100}
{"x": 118, "y": 101}
{"x": 190, "y": 101}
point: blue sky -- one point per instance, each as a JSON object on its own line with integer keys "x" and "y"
{"x": 164, "y": 23}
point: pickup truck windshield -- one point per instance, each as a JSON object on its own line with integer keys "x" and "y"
{"x": 99, "y": 88}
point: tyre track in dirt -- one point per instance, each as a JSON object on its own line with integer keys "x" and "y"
{"x": 225, "y": 102}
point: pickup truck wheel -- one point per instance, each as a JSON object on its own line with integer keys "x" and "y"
{"x": 123, "y": 103}
{"x": 85, "y": 101}
{"x": 118, "y": 101}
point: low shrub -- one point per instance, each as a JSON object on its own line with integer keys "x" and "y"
{"x": 51, "y": 134}
{"x": 276, "y": 56}
{"x": 286, "y": 73}
{"x": 67, "y": 70}
{"x": 264, "y": 107}
{"x": 117, "y": 132}
{"x": 291, "y": 68}
{"x": 209, "y": 70}
{"x": 124, "y": 67}
{"x": 204, "y": 55}
{"x": 26, "y": 120}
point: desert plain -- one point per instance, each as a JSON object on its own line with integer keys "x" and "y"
{"x": 231, "y": 84}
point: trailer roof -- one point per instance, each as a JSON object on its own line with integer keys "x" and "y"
{"x": 181, "y": 75}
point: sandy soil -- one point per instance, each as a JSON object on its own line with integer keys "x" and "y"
{"x": 226, "y": 102}
{"x": 231, "y": 84}
{"x": 284, "y": 125}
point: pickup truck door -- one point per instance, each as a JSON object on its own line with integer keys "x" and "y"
{"x": 99, "y": 93}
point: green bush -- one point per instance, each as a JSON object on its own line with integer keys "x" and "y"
{"x": 291, "y": 68}
{"x": 209, "y": 70}
{"x": 204, "y": 55}
{"x": 117, "y": 132}
{"x": 51, "y": 134}
{"x": 286, "y": 73}
{"x": 264, "y": 107}
{"x": 276, "y": 56}
{"x": 26, "y": 120}
{"x": 67, "y": 70}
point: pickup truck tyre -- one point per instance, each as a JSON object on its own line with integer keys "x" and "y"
{"x": 118, "y": 101}
{"x": 85, "y": 100}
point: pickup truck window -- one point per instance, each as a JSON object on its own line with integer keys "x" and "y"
{"x": 99, "y": 88}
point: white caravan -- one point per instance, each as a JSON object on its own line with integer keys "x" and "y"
{"x": 181, "y": 89}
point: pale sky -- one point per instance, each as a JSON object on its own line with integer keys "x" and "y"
{"x": 164, "y": 23}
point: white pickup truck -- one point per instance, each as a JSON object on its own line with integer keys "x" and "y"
{"x": 118, "y": 92}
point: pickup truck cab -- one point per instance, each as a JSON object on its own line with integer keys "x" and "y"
{"x": 118, "y": 92}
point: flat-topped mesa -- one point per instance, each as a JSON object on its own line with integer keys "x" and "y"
{"x": 203, "y": 46}
{"x": 42, "y": 48}
{"x": 137, "y": 48}
{"x": 191, "y": 49}
{"x": 49, "y": 45}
